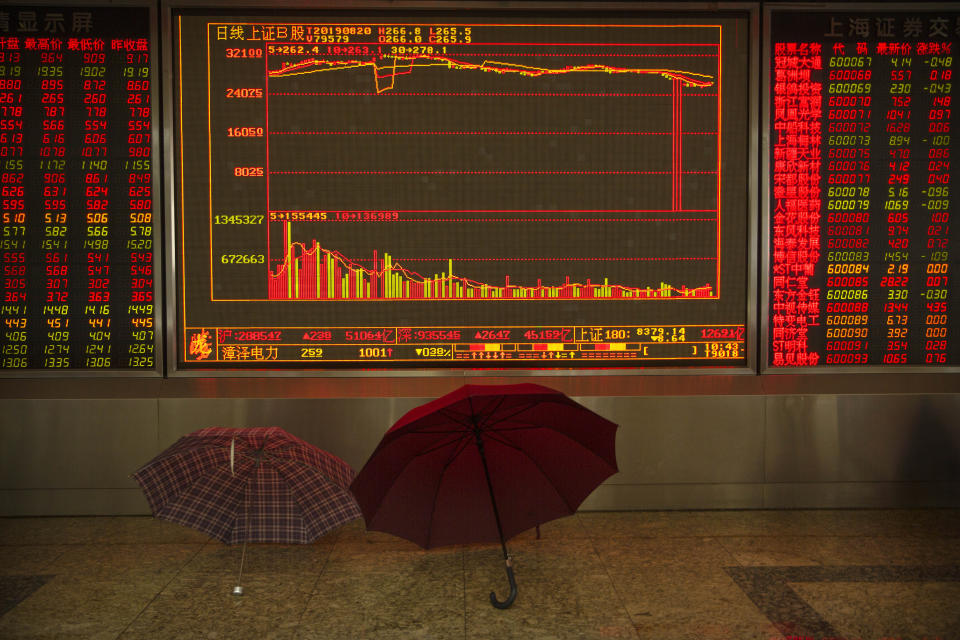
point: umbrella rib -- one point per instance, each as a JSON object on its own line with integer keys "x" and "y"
{"x": 536, "y": 464}
{"x": 405, "y": 465}
{"x": 303, "y": 464}
{"x": 441, "y": 445}
{"x": 457, "y": 418}
{"x": 460, "y": 431}
{"x": 173, "y": 503}
{"x": 511, "y": 415}
{"x": 462, "y": 420}
{"x": 534, "y": 425}
{"x": 170, "y": 452}
{"x": 446, "y": 466}
{"x": 410, "y": 429}
{"x": 329, "y": 519}
{"x": 500, "y": 402}
{"x": 529, "y": 428}
{"x": 472, "y": 416}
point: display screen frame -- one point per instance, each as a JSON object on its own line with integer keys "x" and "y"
{"x": 749, "y": 12}
{"x": 158, "y": 209}
{"x": 765, "y": 193}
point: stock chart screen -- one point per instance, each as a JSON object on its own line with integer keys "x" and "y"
{"x": 426, "y": 190}
{"x": 862, "y": 259}
{"x": 76, "y": 200}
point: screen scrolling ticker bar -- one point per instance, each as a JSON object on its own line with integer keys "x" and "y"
{"x": 420, "y": 344}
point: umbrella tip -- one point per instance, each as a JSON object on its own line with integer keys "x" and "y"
{"x": 237, "y": 590}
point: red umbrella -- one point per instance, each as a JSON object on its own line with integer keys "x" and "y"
{"x": 257, "y": 484}
{"x": 484, "y": 463}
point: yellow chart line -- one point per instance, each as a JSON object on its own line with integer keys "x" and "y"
{"x": 402, "y": 65}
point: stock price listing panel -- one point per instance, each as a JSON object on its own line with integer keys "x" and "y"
{"x": 78, "y": 226}
{"x": 862, "y": 252}
{"x": 461, "y": 190}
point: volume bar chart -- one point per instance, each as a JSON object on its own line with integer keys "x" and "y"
{"x": 320, "y": 274}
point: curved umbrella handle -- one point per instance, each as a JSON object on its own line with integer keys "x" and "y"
{"x": 513, "y": 589}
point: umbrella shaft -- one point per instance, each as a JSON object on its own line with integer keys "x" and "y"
{"x": 243, "y": 554}
{"x": 493, "y": 500}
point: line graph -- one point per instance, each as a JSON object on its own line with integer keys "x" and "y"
{"x": 386, "y": 69}
{"x": 538, "y": 129}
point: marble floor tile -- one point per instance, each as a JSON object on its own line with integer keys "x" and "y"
{"x": 566, "y": 528}
{"x": 357, "y": 533}
{"x": 751, "y": 522}
{"x": 834, "y": 550}
{"x": 777, "y": 550}
{"x": 562, "y": 592}
{"x": 68, "y": 607}
{"x": 658, "y": 552}
{"x": 147, "y": 530}
{"x": 886, "y": 610}
{"x": 887, "y": 550}
{"x": 385, "y": 557}
{"x": 703, "y": 523}
{"x": 574, "y": 550}
{"x": 411, "y": 564}
{"x": 569, "y": 559}
{"x": 201, "y": 605}
{"x": 618, "y": 524}
{"x": 378, "y": 543}
{"x": 123, "y": 561}
{"x": 418, "y": 597}
{"x": 14, "y": 589}
{"x": 680, "y": 603}
{"x": 788, "y": 596}
{"x": 711, "y": 575}
{"x": 58, "y": 530}
{"x": 29, "y": 559}
{"x": 265, "y": 559}
{"x": 893, "y": 522}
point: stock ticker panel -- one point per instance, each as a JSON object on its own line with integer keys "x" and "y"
{"x": 862, "y": 255}
{"x": 77, "y": 248}
{"x": 529, "y": 192}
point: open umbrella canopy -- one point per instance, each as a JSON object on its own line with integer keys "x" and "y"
{"x": 257, "y": 484}
{"x": 484, "y": 463}
{"x": 426, "y": 481}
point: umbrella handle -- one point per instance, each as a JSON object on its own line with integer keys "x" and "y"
{"x": 513, "y": 589}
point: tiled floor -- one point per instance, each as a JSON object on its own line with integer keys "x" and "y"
{"x": 702, "y": 575}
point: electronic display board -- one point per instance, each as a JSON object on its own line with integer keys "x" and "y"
{"x": 76, "y": 189}
{"x": 390, "y": 190}
{"x": 862, "y": 260}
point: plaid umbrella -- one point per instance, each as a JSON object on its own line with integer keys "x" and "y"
{"x": 257, "y": 484}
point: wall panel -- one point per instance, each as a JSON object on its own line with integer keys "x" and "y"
{"x": 74, "y": 456}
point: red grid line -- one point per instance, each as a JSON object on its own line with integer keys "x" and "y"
{"x": 484, "y": 173}
{"x": 553, "y": 259}
{"x": 499, "y": 94}
{"x": 540, "y": 220}
{"x": 487, "y": 133}
{"x": 508, "y": 210}
{"x": 542, "y": 55}
{"x": 533, "y": 44}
